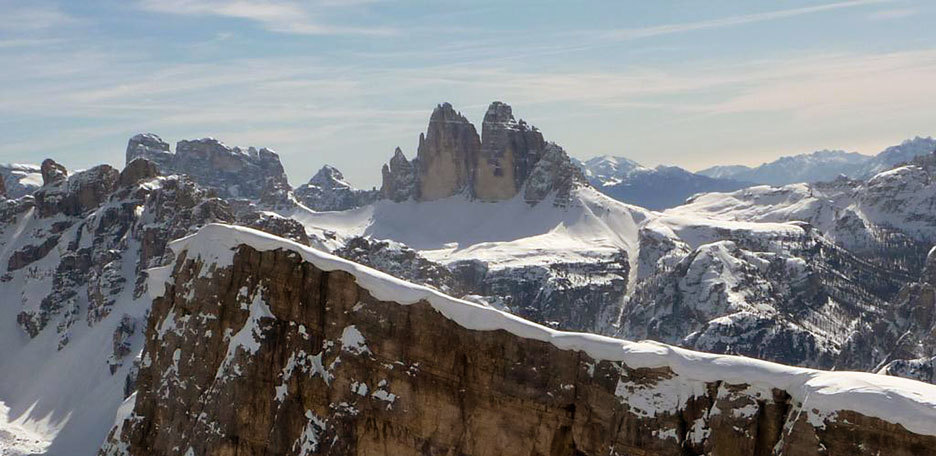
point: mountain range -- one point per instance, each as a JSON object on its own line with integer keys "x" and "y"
{"x": 824, "y": 165}
{"x": 653, "y": 188}
{"x": 195, "y": 302}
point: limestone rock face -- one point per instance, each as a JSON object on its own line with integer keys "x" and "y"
{"x": 509, "y": 150}
{"x": 328, "y": 191}
{"x": 554, "y": 172}
{"x": 76, "y": 194}
{"x": 137, "y": 170}
{"x": 314, "y": 364}
{"x": 231, "y": 171}
{"x": 52, "y": 172}
{"x": 399, "y": 178}
{"x": 447, "y": 154}
{"x": 452, "y": 159}
{"x": 151, "y": 147}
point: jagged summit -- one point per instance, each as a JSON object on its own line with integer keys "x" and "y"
{"x": 329, "y": 175}
{"x": 251, "y": 173}
{"x": 399, "y": 178}
{"x": 453, "y": 159}
{"x": 328, "y": 191}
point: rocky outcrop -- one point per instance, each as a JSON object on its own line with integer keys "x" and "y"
{"x": 909, "y": 332}
{"x": 555, "y": 174}
{"x": 138, "y": 169}
{"x": 150, "y": 147}
{"x": 509, "y": 151}
{"x": 796, "y": 299}
{"x": 253, "y": 174}
{"x": 76, "y": 194}
{"x": 328, "y": 191}
{"x": 452, "y": 159}
{"x": 403, "y": 262}
{"x": 447, "y": 154}
{"x": 52, "y": 172}
{"x": 399, "y": 178}
{"x": 320, "y": 357}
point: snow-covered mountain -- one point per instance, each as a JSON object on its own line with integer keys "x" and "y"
{"x": 814, "y": 167}
{"x": 824, "y": 165}
{"x": 653, "y": 188}
{"x": 889, "y": 214}
{"x": 898, "y": 154}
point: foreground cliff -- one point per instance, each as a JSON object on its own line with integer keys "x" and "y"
{"x": 262, "y": 346}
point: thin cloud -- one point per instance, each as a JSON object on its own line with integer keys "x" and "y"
{"x": 33, "y": 18}
{"x": 892, "y": 14}
{"x": 281, "y": 16}
{"x": 645, "y": 32}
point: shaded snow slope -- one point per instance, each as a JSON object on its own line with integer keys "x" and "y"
{"x": 508, "y": 233}
{"x": 906, "y": 402}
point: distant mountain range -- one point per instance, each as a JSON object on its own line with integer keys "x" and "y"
{"x": 824, "y": 165}
{"x": 665, "y": 187}
{"x": 653, "y": 188}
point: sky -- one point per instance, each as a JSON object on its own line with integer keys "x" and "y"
{"x": 343, "y": 82}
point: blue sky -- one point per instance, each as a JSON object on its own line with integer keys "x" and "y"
{"x": 689, "y": 83}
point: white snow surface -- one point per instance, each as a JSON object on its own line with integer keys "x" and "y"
{"x": 509, "y": 233}
{"x": 909, "y": 403}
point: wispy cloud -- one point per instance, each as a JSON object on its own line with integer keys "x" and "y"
{"x": 19, "y": 18}
{"x": 281, "y": 16}
{"x": 897, "y": 13}
{"x": 644, "y": 32}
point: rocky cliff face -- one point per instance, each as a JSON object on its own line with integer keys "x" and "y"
{"x": 912, "y": 340}
{"x": 319, "y": 356}
{"x": 231, "y": 171}
{"x": 452, "y": 159}
{"x": 446, "y": 154}
{"x": 797, "y": 299}
{"x": 399, "y": 178}
{"x": 509, "y": 151}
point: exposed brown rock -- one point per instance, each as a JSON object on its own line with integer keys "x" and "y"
{"x": 76, "y": 194}
{"x": 399, "y": 178}
{"x": 52, "y": 172}
{"x": 447, "y": 153}
{"x": 509, "y": 151}
{"x": 272, "y": 355}
{"x": 553, "y": 173}
{"x": 137, "y": 170}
